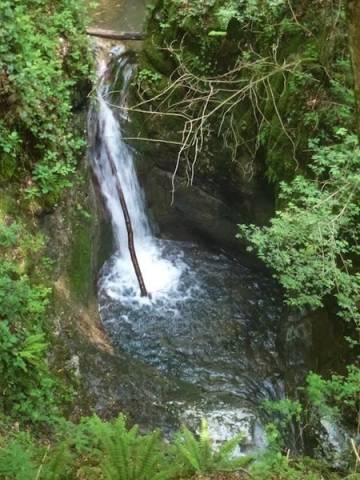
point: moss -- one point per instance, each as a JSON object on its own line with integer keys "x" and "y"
{"x": 155, "y": 57}
{"x": 7, "y": 204}
{"x": 80, "y": 268}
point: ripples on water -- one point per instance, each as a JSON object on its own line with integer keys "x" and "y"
{"x": 212, "y": 334}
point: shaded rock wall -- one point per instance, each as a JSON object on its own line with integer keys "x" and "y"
{"x": 79, "y": 240}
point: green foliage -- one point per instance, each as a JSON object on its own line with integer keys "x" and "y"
{"x": 16, "y": 458}
{"x": 312, "y": 243}
{"x": 249, "y": 12}
{"x": 217, "y": 47}
{"x": 43, "y": 61}
{"x": 129, "y": 455}
{"x": 94, "y": 449}
{"x": 147, "y": 75}
{"x": 218, "y": 14}
{"x": 27, "y": 389}
{"x": 9, "y": 234}
{"x": 148, "y": 80}
{"x": 275, "y": 465}
{"x": 199, "y": 456}
{"x": 44, "y": 64}
{"x": 225, "y": 13}
{"x": 284, "y": 413}
{"x": 10, "y": 145}
{"x": 336, "y": 400}
{"x": 337, "y": 397}
{"x": 312, "y": 246}
{"x": 21, "y": 458}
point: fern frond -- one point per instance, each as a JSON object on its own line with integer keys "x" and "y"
{"x": 197, "y": 455}
{"x": 228, "y": 447}
{"x": 59, "y": 463}
{"x": 16, "y": 460}
{"x": 189, "y": 449}
{"x": 205, "y": 445}
{"x": 148, "y": 457}
{"x": 242, "y": 462}
{"x": 129, "y": 455}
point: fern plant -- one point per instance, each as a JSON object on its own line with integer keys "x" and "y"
{"x": 127, "y": 455}
{"x": 17, "y": 458}
{"x": 197, "y": 455}
{"x": 59, "y": 462}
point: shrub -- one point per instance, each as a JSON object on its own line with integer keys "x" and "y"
{"x": 311, "y": 243}
{"x": 43, "y": 61}
{"x": 27, "y": 388}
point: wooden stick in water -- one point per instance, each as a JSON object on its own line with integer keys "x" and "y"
{"x": 131, "y": 245}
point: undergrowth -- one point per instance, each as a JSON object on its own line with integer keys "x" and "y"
{"x": 44, "y": 63}
{"x": 29, "y": 392}
{"x": 94, "y": 449}
{"x": 311, "y": 243}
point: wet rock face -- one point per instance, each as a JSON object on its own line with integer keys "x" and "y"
{"x": 193, "y": 210}
{"x": 196, "y": 213}
{"x": 78, "y": 241}
{"x": 305, "y": 338}
{"x": 223, "y": 194}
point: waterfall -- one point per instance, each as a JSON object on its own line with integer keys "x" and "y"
{"x": 209, "y": 329}
{"x": 160, "y": 275}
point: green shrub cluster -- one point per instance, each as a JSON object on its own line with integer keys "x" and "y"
{"x": 312, "y": 242}
{"x": 44, "y": 63}
{"x": 335, "y": 400}
{"x": 28, "y": 390}
{"x": 44, "y": 70}
{"x": 312, "y": 248}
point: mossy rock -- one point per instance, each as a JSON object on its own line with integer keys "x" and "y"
{"x": 80, "y": 267}
{"x": 152, "y": 56}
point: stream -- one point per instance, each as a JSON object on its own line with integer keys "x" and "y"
{"x": 127, "y": 15}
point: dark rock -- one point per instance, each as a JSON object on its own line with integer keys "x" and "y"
{"x": 194, "y": 214}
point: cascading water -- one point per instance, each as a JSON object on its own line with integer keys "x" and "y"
{"x": 209, "y": 332}
{"x": 160, "y": 275}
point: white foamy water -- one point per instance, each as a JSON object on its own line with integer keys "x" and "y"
{"x": 225, "y": 423}
{"x": 160, "y": 275}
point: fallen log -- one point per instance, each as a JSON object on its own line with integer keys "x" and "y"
{"x": 131, "y": 245}
{"x": 113, "y": 35}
